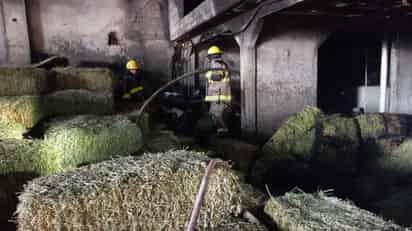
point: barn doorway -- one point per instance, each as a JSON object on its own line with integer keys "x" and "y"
{"x": 349, "y": 72}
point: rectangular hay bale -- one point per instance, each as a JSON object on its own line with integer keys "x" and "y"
{"x": 23, "y": 81}
{"x": 87, "y": 138}
{"x": 149, "y": 192}
{"x": 25, "y": 110}
{"x": 11, "y": 130}
{"x": 93, "y": 79}
{"x": 73, "y": 102}
{"x": 312, "y": 212}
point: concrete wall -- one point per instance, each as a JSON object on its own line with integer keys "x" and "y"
{"x": 14, "y": 39}
{"x": 286, "y": 72}
{"x": 401, "y": 74}
{"x": 79, "y": 30}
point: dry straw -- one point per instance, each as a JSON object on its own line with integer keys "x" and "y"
{"x": 313, "y": 212}
{"x": 22, "y": 81}
{"x": 150, "y": 192}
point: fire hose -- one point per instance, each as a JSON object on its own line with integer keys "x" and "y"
{"x": 168, "y": 84}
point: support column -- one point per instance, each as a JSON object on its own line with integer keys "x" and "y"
{"x": 384, "y": 76}
{"x": 16, "y": 32}
{"x": 176, "y": 12}
{"x": 248, "y": 79}
{"x": 3, "y": 38}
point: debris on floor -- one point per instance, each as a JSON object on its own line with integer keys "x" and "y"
{"x": 149, "y": 192}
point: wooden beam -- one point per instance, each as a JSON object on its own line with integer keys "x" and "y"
{"x": 206, "y": 11}
{"x": 176, "y": 13}
{"x": 248, "y": 77}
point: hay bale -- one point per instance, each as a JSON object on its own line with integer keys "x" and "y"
{"x": 20, "y": 161}
{"x": 236, "y": 224}
{"x": 73, "y": 102}
{"x": 304, "y": 212}
{"x": 92, "y": 79}
{"x": 293, "y": 141}
{"x": 22, "y": 81}
{"x": 88, "y": 139}
{"x": 389, "y": 157}
{"x": 338, "y": 143}
{"x": 10, "y": 130}
{"x": 161, "y": 141}
{"x": 149, "y": 192}
{"x": 375, "y": 125}
{"x": 25, "y": 110}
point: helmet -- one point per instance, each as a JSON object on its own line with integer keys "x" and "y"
{"x": 214, "y": 50}
{"x": 132, "y": 65}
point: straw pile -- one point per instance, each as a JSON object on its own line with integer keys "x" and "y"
{"x": 93, "y": 79}
{"x": 22, "y": 81}
{"x": 20, "y": 161}
{"x": 235, "y": 224}
{"x": 88, "y": 139}
{"x": 10, "y": 130}
{"x": 150, "y": 192}
{"x": 306, "y": 212}
{"x": 25, "y": 110}
{"x": 338, "y": 144}
{"x": 72, "y": 102}
{"x": 374, "y": 125}
{"x": 293, "y": 141}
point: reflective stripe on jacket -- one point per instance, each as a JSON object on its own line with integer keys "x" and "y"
{"x": 218, "y": 83}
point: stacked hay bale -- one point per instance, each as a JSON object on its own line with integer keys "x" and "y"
{"x": 294, "y": 141}
{"x": 75, "y": 102}
{"x": 307, "y": 212}
{"x": 20, "y": 161}
{"x": 88, "y": 139}
{"x": 149, "y": 192}
{"x": 23, "y": 81}
{"x": 92, "y": 79}
{"x": 11, "y": 130}
{"x": 338, "y": 144}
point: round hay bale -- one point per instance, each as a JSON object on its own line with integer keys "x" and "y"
{"x": 22, "y": 81}
{"x": 25, "y": 110}
{"x": 92, "y": 79}
{"x": 293, "y": 141}
{"x": 21, "y": 161}
{"x": 10, "y": 130}
{"x": 75, "y": 102}
{"x": 87, "y": 139}
{"x": 338, "y": 144}
{"x": 149, "y": 192}
{"x": 312, "y": 212}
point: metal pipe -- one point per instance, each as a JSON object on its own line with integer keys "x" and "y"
{"x": 384, "y": 75}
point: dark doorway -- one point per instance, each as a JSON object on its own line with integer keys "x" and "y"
{"x": 190, "y": 5}
{"x": 348, "y": 63}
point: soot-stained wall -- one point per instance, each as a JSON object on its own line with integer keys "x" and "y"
{"x": 80, "y": 31}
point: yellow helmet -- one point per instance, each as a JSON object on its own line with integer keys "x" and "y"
{"x": 132, "y": 65}
{"x": 214, "y": 50}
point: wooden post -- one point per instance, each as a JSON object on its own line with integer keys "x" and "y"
{"x": 248, "y": 79}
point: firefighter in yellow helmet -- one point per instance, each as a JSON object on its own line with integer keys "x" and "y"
{"x": 132, "y": 87}
{"x": 218, "y": 91}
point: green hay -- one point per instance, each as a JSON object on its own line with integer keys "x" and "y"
{"x": 20, "y": 161}
{"x": 25, "y": 110}
{"x": 307, "y": 212}
{"x": 93, "y": 79}
{"x": 88, "y": 139}
{"x": 22, "y": 81}
{"x": 150, "y": 192}
{"x": 338, "y": 144}
{"x": 9, "y": 130}
{"x": 73, "y": 102}
{"x": 375, "y": 125}
{"x": 294, "y": 141}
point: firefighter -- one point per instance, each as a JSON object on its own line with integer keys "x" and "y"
{"x": 218, "y": 92}
{"x": 132, "y": 87}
